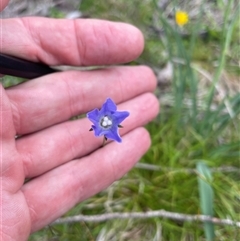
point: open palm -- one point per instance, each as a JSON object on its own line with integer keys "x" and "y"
{"x": 60, "y": 158}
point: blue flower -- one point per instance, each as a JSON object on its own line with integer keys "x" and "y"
{"x": 106, "y": 121}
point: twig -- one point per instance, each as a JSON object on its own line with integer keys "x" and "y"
{"x": 150, "y": 214}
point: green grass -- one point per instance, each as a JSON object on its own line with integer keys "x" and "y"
{"x": 196, "y": 124}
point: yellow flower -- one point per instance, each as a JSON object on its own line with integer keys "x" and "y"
{"x": 181, "y": 18}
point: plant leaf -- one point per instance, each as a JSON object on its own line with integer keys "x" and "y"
{"x": 206, "y": 197}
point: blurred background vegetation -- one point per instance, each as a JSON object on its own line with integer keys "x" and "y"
{"x": 197, "y": 67}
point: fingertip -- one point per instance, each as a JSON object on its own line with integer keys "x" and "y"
{"x": 143, "y": 109}
{"x": 117, "y": 42}
{"x": 136, "y": 143}
{"x": 150, "y": 75}
{"x": 145, "y": 137}
{"x": 136, "y": 40}
{"x": 152, "y": 105}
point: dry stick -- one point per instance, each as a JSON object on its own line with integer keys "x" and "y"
{"x": 150, "y": 214}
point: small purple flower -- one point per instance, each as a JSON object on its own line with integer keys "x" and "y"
{"x": 106, "y": 121}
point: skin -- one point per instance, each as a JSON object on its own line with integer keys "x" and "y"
{"x": 63, "y": 160}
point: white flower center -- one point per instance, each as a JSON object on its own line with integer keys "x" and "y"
{"x": 106, "y": 122}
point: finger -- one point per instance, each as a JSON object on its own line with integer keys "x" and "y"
{"x": 7, "y": 132}
{"x": 3, "y": 4}
{"x": 70, "y": 140}
{"x": 11, "y": 174}
{"x": 71, "y": 42}
{"x": 60, "y": 189}
{"x": 55, "y": 98}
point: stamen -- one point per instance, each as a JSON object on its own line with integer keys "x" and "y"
{"x": 105, "y": 123}
{"x": 105, "y": 118}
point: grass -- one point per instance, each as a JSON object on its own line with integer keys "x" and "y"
{"x": 199, "y": 121}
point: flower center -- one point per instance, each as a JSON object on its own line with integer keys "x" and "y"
{"x": 106, "y": 122}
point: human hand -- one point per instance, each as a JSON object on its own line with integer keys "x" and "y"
{"x": 62, "y": 158}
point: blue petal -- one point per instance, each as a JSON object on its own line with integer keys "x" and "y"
{"x": 119, "y": 116}
{"x": 108, "y": 107}
{"x": 94, "y": 116}
{"x": 98, "y": 131}
{"x": 113, "y": 135}
{"x": 109, "y": 133}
